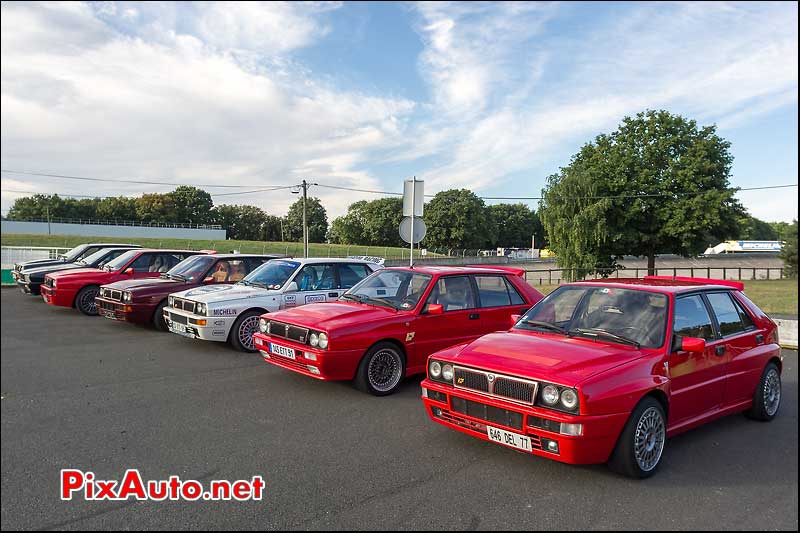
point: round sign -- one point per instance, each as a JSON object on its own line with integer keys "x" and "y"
{"x": 420, "y": 229}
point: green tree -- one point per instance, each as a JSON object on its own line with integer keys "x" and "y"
{"x": 658, "y": 184}
{"x": 789, "y": 251}
{"x": 349, "y": 228}
{"x": 117, "y": 208}
{"x": 458, "y": 219}
{"x": 241, "y": 222}
{"x": 783, "y": 229}
{"x": 155, "y": 208}
{"x": 381, "y": 222}
{"x": 317, "y": 220}
{"x": 192, "y": 205}
{"x": 35, "y": 206}
{"x": 272, "y": 228}
{"x": 753, "y": 229}
{"x": 516, "y": 224}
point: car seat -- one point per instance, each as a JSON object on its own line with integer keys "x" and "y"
{"x": 157, "y": 263}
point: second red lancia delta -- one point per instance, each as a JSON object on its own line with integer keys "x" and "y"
{"x": 79, "y": 288}
{"x": 385, "y": 327}
{"x": 605, "y": 371}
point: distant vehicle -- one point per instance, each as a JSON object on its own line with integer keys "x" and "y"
{"x": 31, "y": 278}
{"x": 79, "y": 288}
{"x": 75, "y": 254}
{"x": 229, "y": 313}
{"x": 383, "y": 329}
{"x": 732, "y": 247}
{"x": 142, "y": 301}
{"x": 607, "y": 370}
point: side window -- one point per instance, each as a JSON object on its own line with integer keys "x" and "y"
{"x": 238, "y": 270}
{"x": 109, "y": 257}
{"x": 728, "y": 315}
{"x": 143, "y": 263}
{"x": 493, "y": 291}
{"x": 350, "y": 274}
{"x": 692, "y": 318}
{"x": 316, "y": 278}
{"x": 454, "y": 293}
{"x": 220, "y": 272}
{"x": 516, "y": 298}
{"x": 253, "y": 263}
{"x": 746, "y": 320}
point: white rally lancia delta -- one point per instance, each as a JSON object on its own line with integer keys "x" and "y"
{"x": 230, "y": 312}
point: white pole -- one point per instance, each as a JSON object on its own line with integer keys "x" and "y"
{"x": 413, "y": 205}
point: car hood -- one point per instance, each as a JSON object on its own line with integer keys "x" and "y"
{"x": 40, "y": 263}
{"x": 157, "y": 284}
{"x": 55, "y": 267}
{"x": 543, "y": 356}
{"x": 211, "y": 294}
{"x": 334, "y": 315}
{"x": 77, "y": 273}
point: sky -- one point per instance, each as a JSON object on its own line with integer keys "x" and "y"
{"x": 493, "y": 97}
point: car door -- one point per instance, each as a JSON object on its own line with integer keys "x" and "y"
{"x": 697, "y": 380}
{"x": 497, "y": 301}
{"x": 740, "y": 341}
{"x": 146, "y": 265}
{"x": 316, "y": 283}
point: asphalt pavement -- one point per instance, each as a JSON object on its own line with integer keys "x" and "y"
{"x": 101, "y": 396}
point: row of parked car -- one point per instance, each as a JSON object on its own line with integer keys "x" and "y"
{"x": 597, "y": 371}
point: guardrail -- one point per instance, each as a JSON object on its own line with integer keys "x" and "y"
{"x": 556, "y": 276}
{"x": 95, "y": 222}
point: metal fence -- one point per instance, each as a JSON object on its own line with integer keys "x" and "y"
{"x": 115, "y": 222}
{"x": 18, "y": 254}
{"x": 556, "y": 276}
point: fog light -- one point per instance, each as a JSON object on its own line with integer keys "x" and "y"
{"x": 313, "y": 369}
{"x": 437, "y": 412}
{"x": 265, "y": 354}
{"x": 550, "y": 445}
{"x": 128, "y": 308}
{"x": 424, "y": 392}
{"x": 571, "y": 429}
{"x": 310, "y": 356}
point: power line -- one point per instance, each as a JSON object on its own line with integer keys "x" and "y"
{"x": 108, "y": 180}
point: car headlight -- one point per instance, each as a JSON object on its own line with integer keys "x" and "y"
{"x": 202, "y": 309}
{"x": 569, "y": 399}
{"x": 550, "y": 394}
{"x": 262, "y": 325}
{"x": 171, "y": 301}
{"x": 558, "y": 397}
{"x": 54, "y": 283}
{"x": 313, "y": 340}
{"x": 323, "y": 340}
{"x": 269, "y": 326}
{"x": 127, "y": 297}
{"x": 435, "y": 369}
{"x": 447, "y": 372}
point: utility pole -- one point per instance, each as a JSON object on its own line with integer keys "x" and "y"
{"x": 305, "y": 220}
{"x": 47, "y": 208}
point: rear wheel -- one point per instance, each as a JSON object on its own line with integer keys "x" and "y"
{"x": 641, "y": 443}
{"x": 381, "y": 370}
{"x": 767, "y": 398}
{"x": 158, "y": 317}
{"x": 84, "y": 301}
{"x": 243, "y": 329}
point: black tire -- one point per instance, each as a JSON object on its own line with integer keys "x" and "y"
{"x": 237, "y": 336}
{"x": 646, "y": 430}
{"x": 84, "y": 300}
{"x": 158, "y": 317}
{"x": 381, "y": 370}
{"x": 767, "y": 397}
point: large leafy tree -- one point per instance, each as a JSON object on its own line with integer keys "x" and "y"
{"x": 349, "y": 228}
{"x": 156, "y": 208}
{"x": 241, "y": 222}
{"x": 658, "y": 184}
{"x": 789, "y": 251}
{"x": 516, "y": 224}
{"x": 317, "y": 220}
{"x": 119, "y": 208}
{"x": 753, "y": 229}
{"x": 457, "y": 218}
{"x": 381, "y": 219}
{"x": 192, "y": 205}
{"x": 37, "y": 206}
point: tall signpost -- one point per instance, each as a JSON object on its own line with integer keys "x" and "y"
{"x": 412, "y": 230}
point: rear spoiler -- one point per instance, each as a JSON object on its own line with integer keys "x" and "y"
{"x": 516, "y": 271}
{"x": 738, "y": 285}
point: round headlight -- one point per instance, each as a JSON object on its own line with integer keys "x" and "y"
{"x": 126, "y": 297}
{"x": 435, "y": 369}
{"x": 550, "y": 394}
{"x": 171, "y": 301}
{"x": 569, "y": 399}
{"x": 313, "y": 340}
{"x": 323, "y": 341}
{"x": 447, "y": 372}
{"x": 262, "y": 325}
{"x": 201, "y": 309}
{"x": 269, "y": 326}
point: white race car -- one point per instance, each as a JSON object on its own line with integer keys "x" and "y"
{"x": 230, "y": 312}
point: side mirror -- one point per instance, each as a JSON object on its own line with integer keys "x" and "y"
{"x": 514, "y": 320}
{"x": 129, "y": 271}
{"x": 434, "y": 309}
{"x": 291, "y": 287}
{"x": 692, "y": 345}
{"x": 208, "y": 279}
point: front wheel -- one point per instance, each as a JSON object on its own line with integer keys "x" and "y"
{"x": 243, "y": 330}
{"x": 381, "y": 370}
{"x": 641, "y": 444}
{"x": 158, "y": 317}
{"x": 84, "y": 301}
{"x": 767, "y": 398}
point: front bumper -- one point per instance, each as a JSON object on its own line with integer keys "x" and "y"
{"x": 207, "y": 328}
{"x": 471, "y": 414}
{"x": 327, "y": 365}
{"x": 126, "y": 312}
{"x": 28, "y": 286}
{"x": 58, "y": 296}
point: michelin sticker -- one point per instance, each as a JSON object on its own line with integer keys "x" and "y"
{"x": 315, "y": 298}
{"x": 224, "y": 312}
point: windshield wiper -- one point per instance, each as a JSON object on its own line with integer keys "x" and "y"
{"x": 545, "y": 325}
{"x": 384, "y": 301}
{"x": 597, "y": 332}
{"x": 179, "y": 277}
{"x": 354, "y": 297}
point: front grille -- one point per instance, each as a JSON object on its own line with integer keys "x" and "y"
{"x": 112, "y": 294}
{"x": 185, "y": 305}
{"x": 487, "y": 413}
{"x": 505, "y": 387}
{"x": 291, "y": 363}
{"x": 458, "y": 420}
{"x": 179, "y": 319}
{"x": 49, "y": 282}
{"x": 288, "y": 331}
{"x": 107, "y": 306}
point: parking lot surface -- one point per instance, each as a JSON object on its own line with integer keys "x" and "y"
{"x": 100, "y": 396}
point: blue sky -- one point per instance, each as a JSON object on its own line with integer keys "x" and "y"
{"x": 488, "y": 96}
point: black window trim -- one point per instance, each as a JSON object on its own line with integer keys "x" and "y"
{"x": 719, "y": 335}
{"x": 474, "y": 278}
{"x": 472, "y": 283}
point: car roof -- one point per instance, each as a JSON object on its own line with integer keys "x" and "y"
{"x": 444, "y": 270}
{"x": 170, "y": 250}
{"x": 307, "y": 260}
{"x": 112, "y": 245}
{"x": 667, "y": 284}
{"x": 235, "y": 256}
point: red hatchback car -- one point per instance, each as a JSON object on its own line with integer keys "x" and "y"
{"x": 606, "y": 371}
{"x": 385, "y": 327}
{"x": 79, "y": 288}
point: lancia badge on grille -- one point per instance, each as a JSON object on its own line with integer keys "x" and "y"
{"x": 287, "y": 330}
{"x": 490, "y": 377}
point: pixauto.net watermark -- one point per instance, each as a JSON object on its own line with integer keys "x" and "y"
{"x": 79, "y": 484}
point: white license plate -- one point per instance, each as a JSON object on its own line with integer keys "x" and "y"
{"x": 180, "y": 329}
{"x": 277, "y": 349}
{"x": 506, "y": 438}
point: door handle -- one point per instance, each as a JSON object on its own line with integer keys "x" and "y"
{"x": 474, "y": 316}
{"x": 759, "y": 339}
{"x": 719, "y": 350}
{"x": 333, "y": 295}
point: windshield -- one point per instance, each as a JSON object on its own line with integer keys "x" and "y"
{"x": 191, "y": 268}
{"x": 401, "y": 289}
{"x": 94, "y": 259}
{"x": 75, "y": 254}
{"x": 121, "y": 261}
{"x": 272, "y": 274}
{"x": 606, "y": 313}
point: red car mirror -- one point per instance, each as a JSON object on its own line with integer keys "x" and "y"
{"x": 435, "y": 309}
{"x": 129, "y": 271}
{"x": 514, "y": 320}
{"x": 693, "y": 344}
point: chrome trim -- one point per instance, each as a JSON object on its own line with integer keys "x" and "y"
{"x": 491, "y": 379}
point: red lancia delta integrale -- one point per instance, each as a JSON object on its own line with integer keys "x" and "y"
{"x": 386, "y": 326}
{"x": 605, "y": 371}
{"x": 79, "y": 288}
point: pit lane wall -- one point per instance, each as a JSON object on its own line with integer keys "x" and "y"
{"x": 109, "y": 230}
